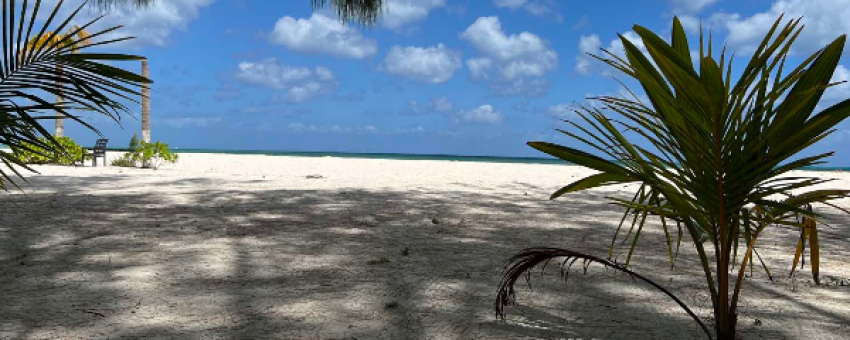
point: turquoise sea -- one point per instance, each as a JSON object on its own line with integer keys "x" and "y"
{"x": 405, "y": 156}
{"x": 408, "y": 156}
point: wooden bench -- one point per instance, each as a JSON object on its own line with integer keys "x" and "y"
{"x": 99, "y": 150}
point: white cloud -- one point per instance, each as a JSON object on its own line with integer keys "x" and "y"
{"x": 440, "y": 105}
{"x": 825, "y": 20}
{"x": 617, "y": 48}
{"x": 298, "y": 83}
{"x": 586, "y": 65}
{"x": 398, "y": 13}
{"x": 432, "y": 65}
{"x": 413, "y": 130}
{"x": 562, "y": 111}
{"x": 537, "y": 7}
{"x": 324, "y": 73}
{"x": 479, "y": 67}
{"x": 321, "y": 34}
{"x": 587, "y": 44}
{"x": 150, "y": 26}
{"x": 510, "y": 3}
{"x": 484, "y": 114}
{"x": 310, "y": 128}
{"x": 516, "y": 58}
{"x": 690, "y": 6}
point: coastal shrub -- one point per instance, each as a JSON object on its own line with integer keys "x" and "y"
{"x": 134, "y": 142}
{"x": 711, "y": 155}
{"x": 67, "y": 152}
{"x": 124, "y": 162}
{"x": 148, "y": 156}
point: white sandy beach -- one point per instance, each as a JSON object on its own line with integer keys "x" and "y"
{"x": 255, "y": 247}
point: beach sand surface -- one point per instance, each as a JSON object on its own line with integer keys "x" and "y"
{"x": 272, "y": 247}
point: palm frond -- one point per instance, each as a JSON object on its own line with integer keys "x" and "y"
{"x": 51, "y": 63}
{"x": 713, "y": 153}
{"x": 522, "y": 263}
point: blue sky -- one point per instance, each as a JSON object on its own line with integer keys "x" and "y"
{"x": 435, "y": 76}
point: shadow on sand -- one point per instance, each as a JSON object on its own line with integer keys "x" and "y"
{"x": 95, "y": 258}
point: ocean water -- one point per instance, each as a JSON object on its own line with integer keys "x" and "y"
{"x": 396, "y": 156}
{"x": 406, "y": 156}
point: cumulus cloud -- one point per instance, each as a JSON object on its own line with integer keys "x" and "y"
{"x": 151, "y": 26}
{"x": 508, "y": 60}
{"x": 825, "y": 20}
{"x": 590, "y": 44}
{"x": 587, "y": 44}
{"x": 298, "y": 84}
{"x": 432, "y": 65}
{"x": 484, "y": 114}
{"x": 321, "y": 34}
{"x": 398, "y": 13}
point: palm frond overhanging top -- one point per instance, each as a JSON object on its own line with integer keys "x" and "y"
{"x": 36, "y": 58}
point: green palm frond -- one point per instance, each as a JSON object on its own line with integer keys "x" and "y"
{"x": 713, "y": 153}
{"x": 29, "y": 68}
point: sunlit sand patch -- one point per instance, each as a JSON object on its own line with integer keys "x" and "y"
{"x": 348, "y": 231}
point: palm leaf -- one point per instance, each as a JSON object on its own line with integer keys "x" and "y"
{"x": 721, "y": 149}
{"x": 29, "y": 71}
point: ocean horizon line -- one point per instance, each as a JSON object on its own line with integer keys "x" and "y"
{"x": 419, "y": 156}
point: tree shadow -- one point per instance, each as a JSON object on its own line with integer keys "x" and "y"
{"x": 87, "y": 257}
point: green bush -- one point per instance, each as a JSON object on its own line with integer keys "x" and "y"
{"x": 148, "y": 155}
{"x": 69, "y": 154}
{"x": 123, "y": 162}
{"x": 134, "y": 142}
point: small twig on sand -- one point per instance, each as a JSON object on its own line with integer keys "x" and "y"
{"x": 90, "y": 311}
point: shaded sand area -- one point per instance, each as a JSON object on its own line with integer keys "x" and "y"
{"x": 256, "y": 247}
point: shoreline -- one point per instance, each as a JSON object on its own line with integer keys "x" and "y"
{"x": 405, "y": 156}
{"x": 421, "y": 157}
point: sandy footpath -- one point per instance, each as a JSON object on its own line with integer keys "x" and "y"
{"x": 255, "y": 247}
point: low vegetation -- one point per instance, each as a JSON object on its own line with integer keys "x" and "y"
{"x": 68, "y": 152}
{"x": 148, "y": 156}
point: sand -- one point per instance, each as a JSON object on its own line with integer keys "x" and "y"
{"x": 254, "y": 247}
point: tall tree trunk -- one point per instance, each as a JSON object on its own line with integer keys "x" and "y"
{"x": 60, "y": 121}
{"x": 146, "y": 104}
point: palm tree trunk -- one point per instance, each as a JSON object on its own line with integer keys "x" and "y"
{"x": 146, "y": 104}
{"x": 60, "y": 121}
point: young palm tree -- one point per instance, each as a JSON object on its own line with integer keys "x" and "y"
{"x": 29, "y": 67}
{"x": 714, "y": 155}
{"x": 74, "y": 38}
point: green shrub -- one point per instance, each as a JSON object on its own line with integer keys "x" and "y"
{"x": 148, "y": 155}
{"x": 69, "y": 154}
{"x": 125, "y": 162}
{"x": 134, "y": 142}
